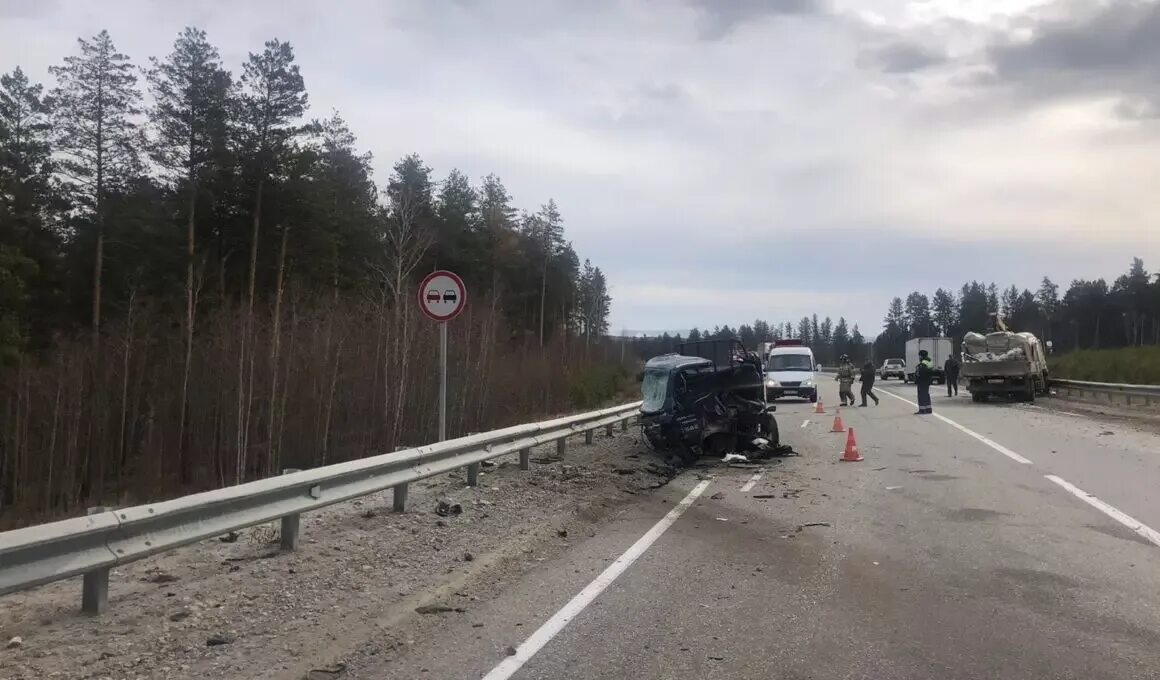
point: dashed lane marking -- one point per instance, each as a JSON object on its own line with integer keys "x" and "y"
{"x": 749, "y": 484}
{"x": 1125, "y": 519}
{"x": 991, "y": 443}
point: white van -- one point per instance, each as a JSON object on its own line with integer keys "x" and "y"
{"x": 791, "y": 371}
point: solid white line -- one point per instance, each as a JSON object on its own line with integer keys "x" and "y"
{"x": 1133, "y": 524}
{"x": 993, "y": 444}
{"x": 554, "y": 625}
{"x": 752, "y": 480}
{"x": 805, "y": 422}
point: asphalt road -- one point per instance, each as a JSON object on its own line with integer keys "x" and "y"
{"x": 957, "y": 549}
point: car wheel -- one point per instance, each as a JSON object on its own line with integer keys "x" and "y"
{"x": 814, "y": 398}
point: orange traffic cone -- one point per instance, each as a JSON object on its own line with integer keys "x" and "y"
{"x": 838, "y": 426}
{"x": 851, "y": 455}
{"x": 819, "y": 408}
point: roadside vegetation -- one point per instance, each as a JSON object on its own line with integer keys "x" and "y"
{"x": 1135, "y": 365}
{"x": 201, "y": 285}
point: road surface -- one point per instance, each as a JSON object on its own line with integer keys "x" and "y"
{"x": 995, "y": 541}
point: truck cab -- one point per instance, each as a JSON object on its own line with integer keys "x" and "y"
{"x": 791, "y": 371}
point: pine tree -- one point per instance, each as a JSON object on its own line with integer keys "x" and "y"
{"x": 189, "y": 119}
{"x": 95, "y": 100}
{"x": 30, "y": 205}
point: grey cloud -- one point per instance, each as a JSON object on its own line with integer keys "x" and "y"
{"x": 26, "y": 9}
{"x": 903, "y": 57}
{"x": 1113, "y": 51}
{"x": 719, "y": 18}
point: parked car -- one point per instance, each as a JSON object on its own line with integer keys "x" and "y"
{"x": 895, "y": 368}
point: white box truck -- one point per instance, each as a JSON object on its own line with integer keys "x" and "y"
{"x": 939, "y": 349}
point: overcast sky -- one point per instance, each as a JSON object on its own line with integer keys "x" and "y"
{"x": 723, "y": 160}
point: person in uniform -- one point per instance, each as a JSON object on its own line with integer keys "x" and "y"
{"x": 845, "y": 380}
{"x": 923, "y": 376}
{"x": 951, "y": 371}
{"x": 867, "y": 380}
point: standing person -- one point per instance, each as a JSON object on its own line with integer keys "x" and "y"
{"x": 923, "y": 375}
{"x": 845, "y": 380}
{"x": 867, "y": 380}
{"x": 951, "y": 371}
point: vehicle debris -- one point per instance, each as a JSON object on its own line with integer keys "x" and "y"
{"x": 330, "y": 672}
{"x": 812, "y": 524}
{"x": 445, "y": 508}
{"x": 439, "y": 609}
{"x": 717, "y": 496}
{"x": 218, "y": 640}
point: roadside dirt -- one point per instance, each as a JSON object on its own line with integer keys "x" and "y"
{"x": 1146, "y": 419}
{"x": 243, "y": 609}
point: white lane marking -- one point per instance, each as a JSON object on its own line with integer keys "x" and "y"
{"x": 993, "y": 444}
{"x": 752, "y": 480}
{"x": 560, "y": 619}
{"x": 805, "y": 422}
{"x": 1133, "y": 524}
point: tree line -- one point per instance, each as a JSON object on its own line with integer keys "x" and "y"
{"x": 1090, "y": 314}
{"x": 199, "y": 284}
{"x": 827, "y": 339}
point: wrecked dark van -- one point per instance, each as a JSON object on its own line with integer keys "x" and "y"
{"x": 707, "y": 399}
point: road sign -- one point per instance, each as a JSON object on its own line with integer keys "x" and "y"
{"x": 442, "y": 295}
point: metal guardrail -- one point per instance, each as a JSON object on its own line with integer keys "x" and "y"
{"x": 1144, "y": 394}
{"x": 107, "y": 538}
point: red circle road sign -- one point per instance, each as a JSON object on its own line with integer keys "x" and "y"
{"x": 442, "y": 295}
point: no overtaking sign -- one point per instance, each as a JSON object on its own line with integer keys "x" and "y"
{"x": 442, "y": 295}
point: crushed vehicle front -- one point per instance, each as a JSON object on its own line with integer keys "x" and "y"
{"x": 712, "y": 402}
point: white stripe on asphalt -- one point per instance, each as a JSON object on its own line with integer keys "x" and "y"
{"x": 805, "y": 422}
{"x": 993, "y": 444}
{"x": 1133, "y": 524}
{"x": 554, "y": 625}
{"x": 752, "y": 480}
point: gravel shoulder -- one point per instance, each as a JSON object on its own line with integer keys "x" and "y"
{"x": 243, "y": 609}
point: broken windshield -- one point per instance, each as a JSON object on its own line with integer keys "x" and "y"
{"x": 654, "y": 389}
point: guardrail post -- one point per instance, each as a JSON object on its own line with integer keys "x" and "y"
{"x": 290, "y": 524}
{"x": 473, "y": 474}
{"x": 608, "y": 430}
{"x": 525, "y": 459}
{"x": 561, "y": 446}
{"x": 588, "y": 434}
{"x": 624, "y": 425}
{"x": 400, "y": 492}
{"x": 95, "y": 590}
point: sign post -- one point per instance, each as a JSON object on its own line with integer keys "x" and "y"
{"x": 442, "y": 297}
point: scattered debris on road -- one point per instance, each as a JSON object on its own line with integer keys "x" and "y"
{"x": 717, "y": 496}
{"x": 812, "y": 524}
{"x": 335, "y": 670}
{"x": 446, "y": 508}
{"x": 15, "y": 642}
{"x": 439, "y": 609}
{"x": 511, "y": 651}
{"x": 220, "y": 639}
{"x": 231, "y": 537}
{"x": 735, "y": 458}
